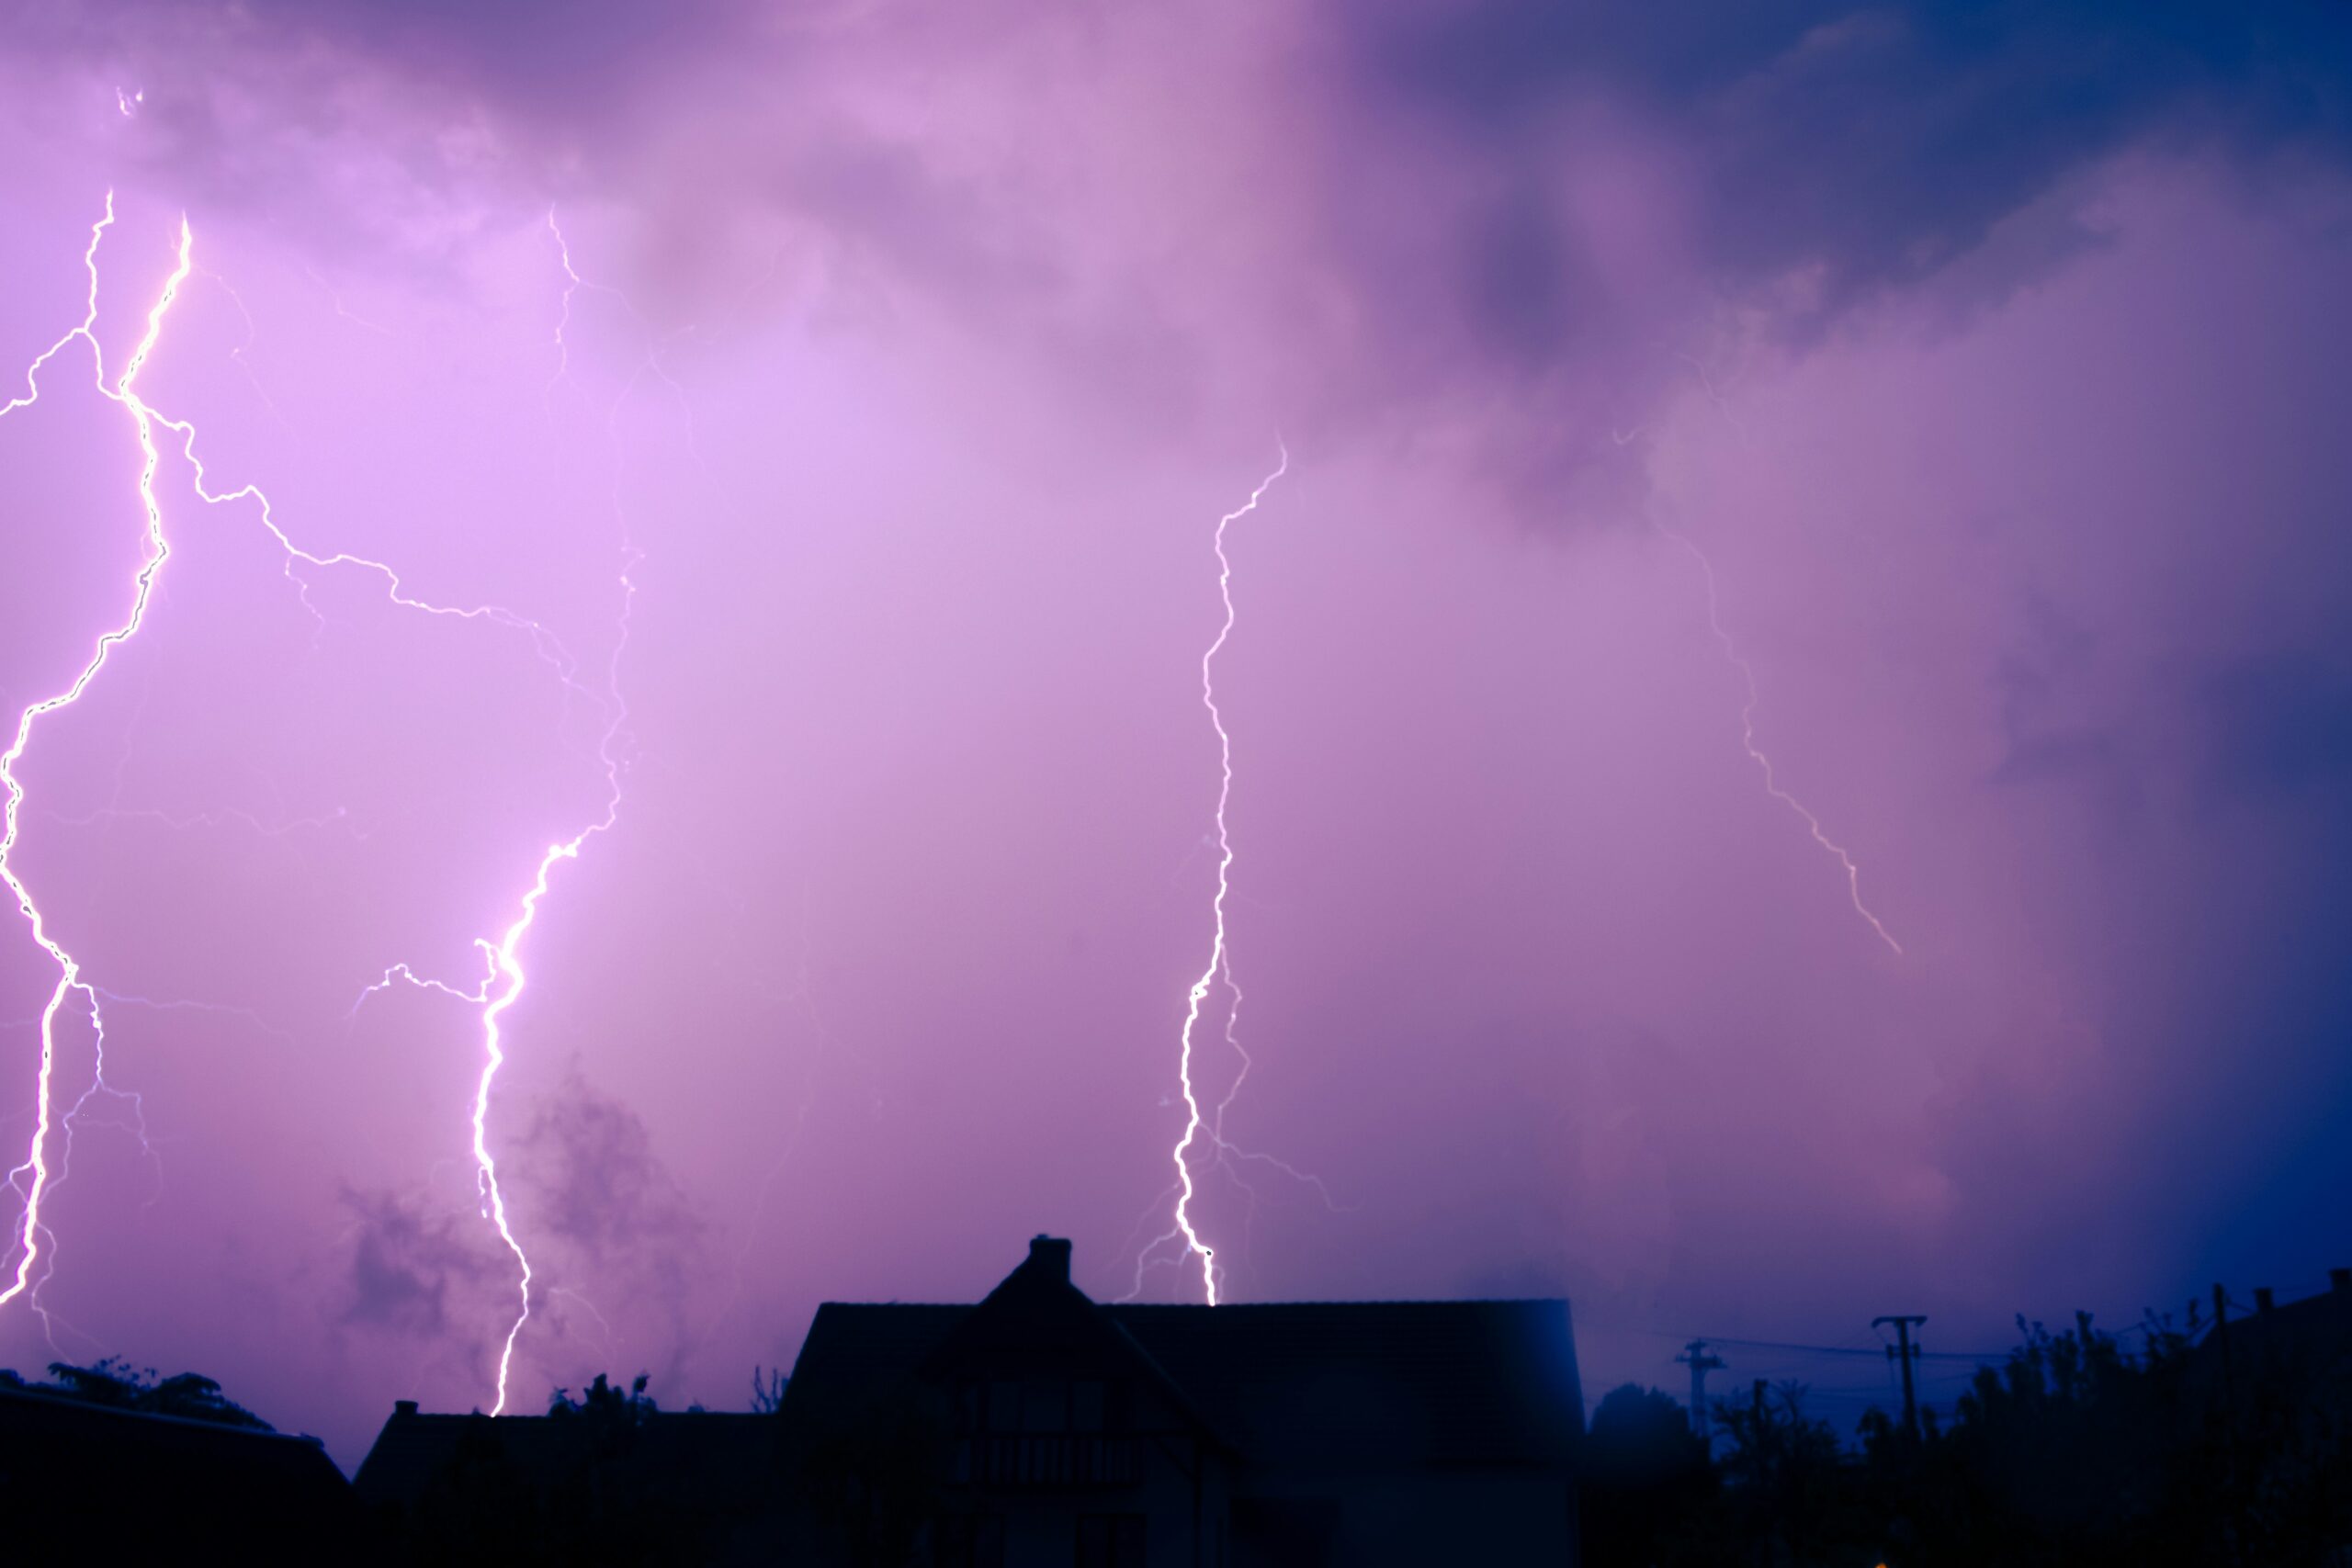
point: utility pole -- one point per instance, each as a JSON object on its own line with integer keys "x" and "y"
{"x": 2222, "y": 1338}
{"x": 1700, "y": 1361}
{"x": 1902, "y": 1350}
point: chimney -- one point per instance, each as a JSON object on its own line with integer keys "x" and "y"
{"x": 2340, "y": 1282}
{"x": 1049, "y": 1258}
{"x": 2262, "y": 1298}
{"x": 404, "y": 1407}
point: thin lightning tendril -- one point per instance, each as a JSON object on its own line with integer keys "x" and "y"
{"x": 1733, "y": 657}
{"x": 1748, "y": 736}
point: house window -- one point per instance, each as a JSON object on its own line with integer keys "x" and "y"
{"x": 968, "y": 1541}
{"x": 1088, "y": 1406}
{"x": 1110, "y": 1540}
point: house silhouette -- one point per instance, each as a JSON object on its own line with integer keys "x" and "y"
{"x": 1040, "y": 1427}
{"x": 620, "y": 1482}
{"x": 82, "y": 1482}
{"x": 2290, "y": 1355}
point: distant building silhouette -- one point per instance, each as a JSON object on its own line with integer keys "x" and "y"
{"x": 2297, "y": 1354}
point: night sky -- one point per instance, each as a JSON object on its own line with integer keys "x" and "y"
{"x": 1973, "y": 380}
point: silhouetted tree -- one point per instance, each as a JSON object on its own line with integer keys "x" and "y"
{"x": 606, "y": 1405}
{"x": 1790, "y": 1496}
{"x": 117, "y": 1384}
{"x": 768, "y": 1391}
{"x": 2077, "y": 1451}
{"x": 1644, "y": 1474}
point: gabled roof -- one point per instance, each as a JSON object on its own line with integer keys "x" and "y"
{"x": 1035, "y": 1311}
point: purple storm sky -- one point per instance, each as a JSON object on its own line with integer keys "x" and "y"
{"x": 1998, "y": 361}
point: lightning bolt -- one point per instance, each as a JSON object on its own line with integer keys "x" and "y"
{"x": 1219, "y": 965}
{"x": 31, "y": 1179}
{"x": 1733, "y": 657}
{"x": 507, "y": 966}
{"x": 504, "y": 978}
{"x": 504, "y": 981}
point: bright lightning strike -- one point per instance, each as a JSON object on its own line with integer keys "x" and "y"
{"x": 26, "y": 1245}
{"x": 503, "y": 983}
{"x": 1219, "y": 967}
{"x": 1747, "y": 739}
{"x": 501, "y": 987}
{"x": 507, "y": 966}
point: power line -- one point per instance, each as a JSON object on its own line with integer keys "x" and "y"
{"x": 1875, "y": 1352}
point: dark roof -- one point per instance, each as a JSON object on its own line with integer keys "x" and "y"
{"x": 857, "y": 1354}
{"x": 1376, "y": 1383}
{"x": 2310, "y": 1338}
{"x": 162, "y": 1483}
{"x": 1355, "y": 1385}
{"x": 723, "y": 1455}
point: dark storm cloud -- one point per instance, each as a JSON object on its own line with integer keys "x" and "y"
{"x": 891, "y": 201}
{"x": 603, "y": 1209}
{"x": 405, "y": 1256}
{"x": 1877, "y": 143}
{"x": 1537, "y": 209}
{"x": 596, "y": 1180}
{"x": 575, "y": 63}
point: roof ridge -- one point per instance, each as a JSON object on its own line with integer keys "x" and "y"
{"x": 1361, "y": 1301}
{"x": 198, "y": 1422}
